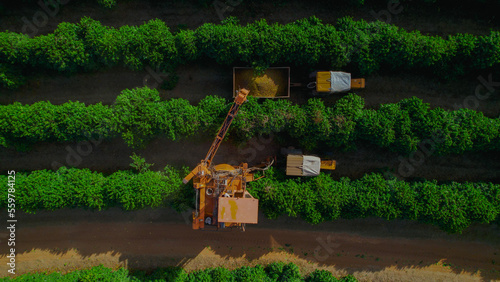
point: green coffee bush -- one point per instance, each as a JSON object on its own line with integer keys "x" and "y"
{"x": 139, "y": 115}
{"x": 452, "y": 206}
{"x": 361, "y": 46}
{"x": 178, "y": 274}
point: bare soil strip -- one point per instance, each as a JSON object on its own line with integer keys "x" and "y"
{"x": 196, "y": 81}
{"x": 110, "y": 156}
{"x": 371, "y": 249}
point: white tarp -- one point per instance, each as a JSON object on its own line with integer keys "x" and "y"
{"x": 310, "y": 165}
{"x": 340, "y": 81}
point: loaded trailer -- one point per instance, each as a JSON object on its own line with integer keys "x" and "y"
{"x": 275, "y": 82}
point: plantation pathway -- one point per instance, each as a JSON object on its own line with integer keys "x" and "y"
{"x": 110, "y": 156}
{"x": 371, "y": 249}
{"x": 197, "y": 80}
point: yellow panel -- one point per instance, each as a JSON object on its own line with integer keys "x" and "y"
{"x": 323, "y": 81}
{"x": 224, "y": 167}
{"x": 323, "y": 76}
{"x": 238, "y": 210}
{"x": 328, "y": 164}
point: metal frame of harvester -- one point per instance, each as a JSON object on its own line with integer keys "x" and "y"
{"x": 222, "y": 200}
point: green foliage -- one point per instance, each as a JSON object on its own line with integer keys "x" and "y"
{"x": 62, "y": 51}
{"x": 138, "y": 115}
{"x": 321, "y": 276}
{"x": 326, "y": 276}
{"x": 107, "y": 3}
{"x": 97, "y": 273}
{"x": 135, "y": 112}
{"x": 400, "y": 127}
{"x": 43, "y": 121}
{"x": 288, "y": 272}
{"x": 250, "y": 274}
{"x": 73, "y": 188}
{"x": 359, "y": 45}
{"x": 453, "y": 207}
{"x": 139, "y": 163}
{"x": 174, "y": 274}
{"x": 10, "y": 78}
{"x": 185, "y": 42}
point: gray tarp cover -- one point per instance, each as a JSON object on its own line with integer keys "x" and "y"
{"x": 340, "y": 81}
{"x": 311, "y": 165}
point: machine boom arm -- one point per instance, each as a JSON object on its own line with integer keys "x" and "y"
{"x": 205, "y": 163}
{"x": 240, "y": 99}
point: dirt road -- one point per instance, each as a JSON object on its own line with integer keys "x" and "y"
{"x": 114, "y": 155}
{"x": 197, "y": 80}
{"x": 371, "y": 249}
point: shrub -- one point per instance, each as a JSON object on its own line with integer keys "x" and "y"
{"x": 107, "y": 3}
{"x": 177, "y": 274}
{"x": 138, "y": 115}
{"x": 452, "y": 206}
{"x": 358, "y": 45}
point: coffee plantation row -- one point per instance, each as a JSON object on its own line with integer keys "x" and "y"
{"x": 276, "y": 271}
{"x": 361, "y": 46}
{"x": 138, "y": 115}
{"x": 451, "y": 206}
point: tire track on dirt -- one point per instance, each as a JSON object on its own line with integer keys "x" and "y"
{"x": 113, "y": 155}
{"x": 142, "y": 244}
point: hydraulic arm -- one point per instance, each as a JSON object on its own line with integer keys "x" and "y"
{"x": 205, "y": 163}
